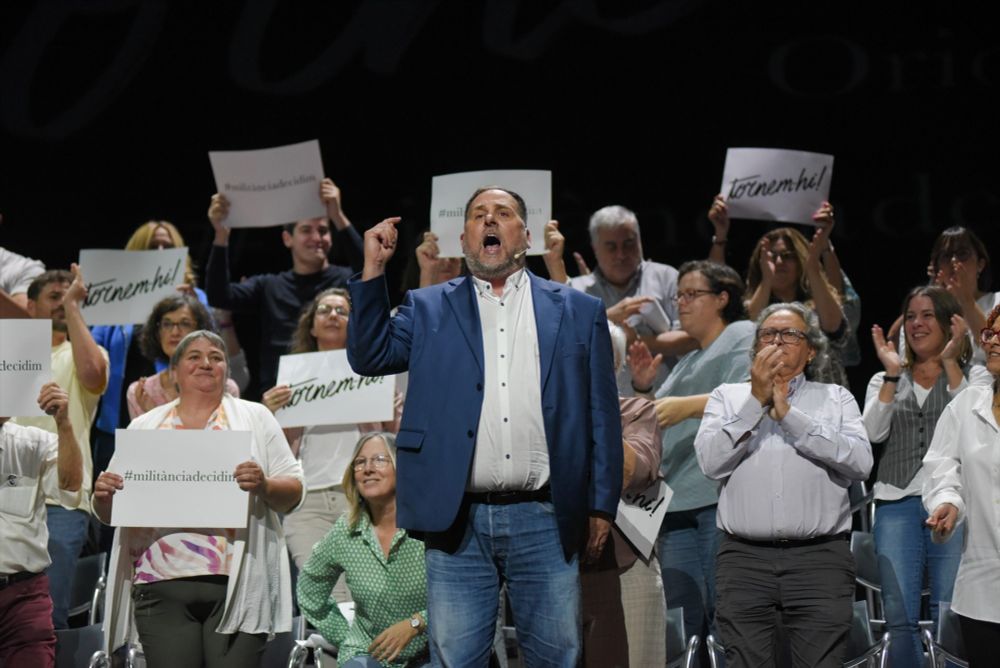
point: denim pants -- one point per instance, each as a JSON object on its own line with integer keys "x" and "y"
{"x": 67, "y": 533}
{"x": 687, "y": 547}
{"x": 905, "y": 550}
{"x": 519, "y": 545}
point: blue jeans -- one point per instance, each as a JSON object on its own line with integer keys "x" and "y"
{"x": 67, "y": 533}
{"x": 687, "y": 546}
{"x": 519, "y": 544}
{"x": 905, "y": 550}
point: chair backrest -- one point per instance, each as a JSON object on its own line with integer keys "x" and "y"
{"x": 865, "y": 560}
{"x": 278, "y": 650}
{"x": 80, "y": 647}
{"x": 676, "y": 639}
{"x": 949, "y": 631}
{"x": 89, "y": 571}
{"x": 860, "y": 638}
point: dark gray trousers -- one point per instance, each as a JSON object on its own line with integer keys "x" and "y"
{"x": 808, "y": 590}
{"x": 176, "y": 620}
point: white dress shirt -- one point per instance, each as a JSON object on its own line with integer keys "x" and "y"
{"x": 784, "y": 480}
{"x": 511, "y": 449}
{"x": 962, "y": 467}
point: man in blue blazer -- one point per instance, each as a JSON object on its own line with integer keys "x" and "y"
{"x": 510, "y": 451}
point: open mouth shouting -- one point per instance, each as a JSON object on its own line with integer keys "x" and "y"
{"x": 491, "y": 244}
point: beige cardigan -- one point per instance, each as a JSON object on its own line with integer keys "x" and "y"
{"x": 259, "y": 597}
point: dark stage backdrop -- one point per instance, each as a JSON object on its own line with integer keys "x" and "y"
{"x": 108, "y": 110}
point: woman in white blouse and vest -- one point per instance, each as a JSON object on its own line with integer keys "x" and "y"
{"x": 962, "y": 484}
{"x": 902, "y": 406}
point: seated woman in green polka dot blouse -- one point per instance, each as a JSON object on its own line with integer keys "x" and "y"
{"x": 384, "y": 568}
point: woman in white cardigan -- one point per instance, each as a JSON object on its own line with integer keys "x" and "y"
{"x": 206, "y": 597}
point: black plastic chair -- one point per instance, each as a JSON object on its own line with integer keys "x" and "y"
{"x": 89, "y": 582}
{"x": 81, "y": 647}
{"x": 279, "y": 649}
{"x": 949, "y": 645}
{"x": 681, "y": 649}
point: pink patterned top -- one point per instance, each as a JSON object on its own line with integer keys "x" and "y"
{"x": 167, "y": 554}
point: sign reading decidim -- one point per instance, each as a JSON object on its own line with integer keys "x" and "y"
{"x": 180, "y": 478}
{"x": 271, "y": 186}
{"x": 25, "y": 365}
{"x": 451, "y": 192}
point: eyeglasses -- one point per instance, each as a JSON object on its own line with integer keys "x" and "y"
{"x": 790, "y": 336}
{"x": 987, "y": 335}
{"x": 784, "y": 256}
{"x": 378, "y": 462}
{"x": 183, "y": 325}
{"x": 691, "y": 295}
{"x": 326, "y": 309}
{"x": 958, "y": 255}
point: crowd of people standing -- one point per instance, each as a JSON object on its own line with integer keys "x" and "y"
{"x": 528, "y": 407}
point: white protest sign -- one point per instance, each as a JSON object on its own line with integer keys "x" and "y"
{"x": 325, "y": 390}
{"x": 25, "y": 365}
{"x": 179, "y": 478}
{"x": 270, "y": 186}
{"x": 775, "y": 184}
{"x": 124, "y": 286}
{"x": 640, "y": 515}
{"x": 451, "y": 192}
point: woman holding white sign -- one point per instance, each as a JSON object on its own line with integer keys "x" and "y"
{"x": 324, "y": 450}
{"x": 183, "y": 584}
{"x": 383, "y": 565}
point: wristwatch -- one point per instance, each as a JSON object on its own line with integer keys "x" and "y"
{"x": 416, "y": 623}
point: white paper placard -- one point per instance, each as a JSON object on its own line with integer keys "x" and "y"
{"x": 124, "y": 286}
{"x": 271, "y": 186}
{"x": 180, "y": 478}
{"x": 450, "y": 193}
{"x": 640, "y": 515}
{"x": 25, "y": 365}
{"x": 775, "y": 184}
{"x": 325, "y": 390}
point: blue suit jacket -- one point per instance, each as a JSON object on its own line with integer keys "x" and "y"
{"x": 436, "y": 336}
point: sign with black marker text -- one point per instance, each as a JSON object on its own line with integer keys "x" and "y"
{"x": 271, "y": 186}
{"x": 325, "y": 390}
{"x": 451, "y": 192}
{"x": 124, "y": 286}
{"x": 640, "y": 515}
{"x": 25, "y": 365}
{"x": 775, "y": 184}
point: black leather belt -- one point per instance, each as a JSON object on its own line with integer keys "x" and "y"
{"x": 803, "y": 542}
{"x": 14, "y": 578}
{"x": 502, "y": 497}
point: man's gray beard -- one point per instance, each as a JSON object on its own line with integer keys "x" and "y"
{"x": 490, "y": 273}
